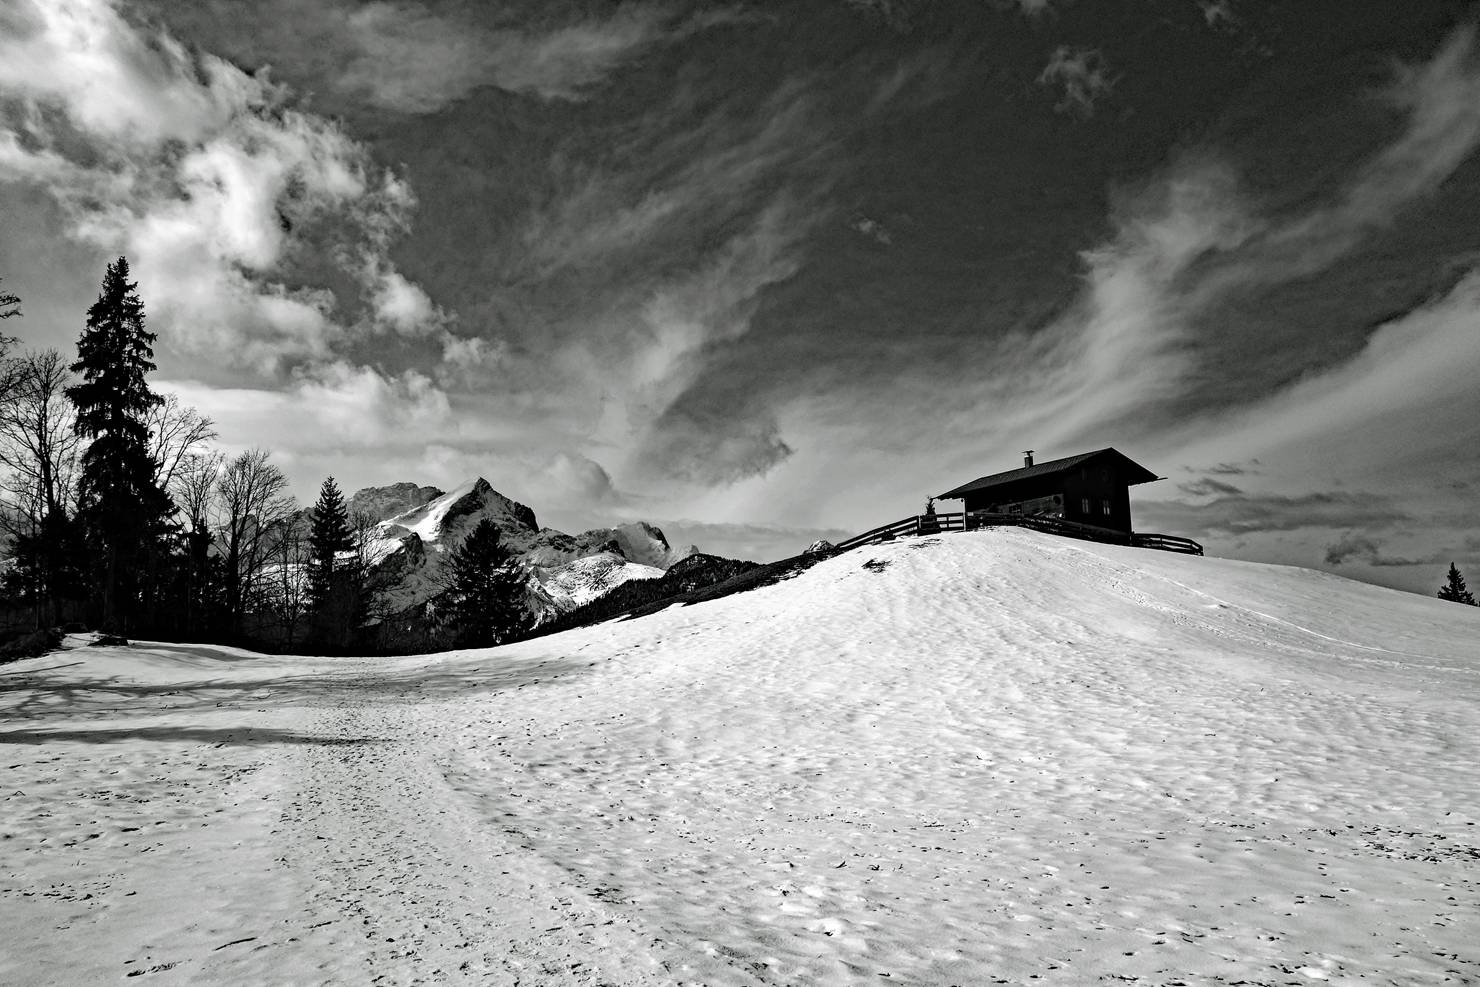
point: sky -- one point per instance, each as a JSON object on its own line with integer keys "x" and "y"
{"x": 762, "y": 272}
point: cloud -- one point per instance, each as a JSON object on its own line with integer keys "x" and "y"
{"x": 677, "y": 246}
{"x": 1218, "y": 13}
{"x": 568, "y": 480}
{"x": 1083, "y": 75}
{"x": 351, "y": 408}
{"x": 222, "y": 195}
{"x": 873, "y": 229}
{"x": 1035, "y": 8}
{"x": 1208, "y": 487}
{"x": 726, "y": 161}
{"x": 1380, "y": 405}
{"x": 1131, "y": 345}
{"x": 408, "y": 58}
{"x": 1241, "y": 514}
{"x": 1362, "y": 548}
{"x": 1440, "y": 101}
{"x": 754, "y": 542}
{"x": 688, "y": 435}
{"x": 402, "y": 305}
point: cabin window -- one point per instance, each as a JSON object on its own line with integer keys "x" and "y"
{"x": 1084, "y": 505}
{"x": 1105, "y": 507}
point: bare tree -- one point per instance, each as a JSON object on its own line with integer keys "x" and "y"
{"x": 38, "y": 466}
{"x": 9, "y": 308}
{"x": 176, "y": 432}
{"x": 251, "y": 507}
{"x": 290, "y": 562}
{"x": 38, "y": 447}
{"x": 193, "y": 490}
{"x": 194, "y": 485}
{"x": 362, "y": 525}
{"x": 10, "y": 305}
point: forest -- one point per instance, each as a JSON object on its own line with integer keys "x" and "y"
{"x": 118, "y": 513}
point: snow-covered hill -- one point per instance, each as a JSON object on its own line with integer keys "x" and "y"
{"x": 564, "y": 570}
{"x": 996, "y": 757}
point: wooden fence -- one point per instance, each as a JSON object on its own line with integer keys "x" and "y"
{"x": 929, "y": 524}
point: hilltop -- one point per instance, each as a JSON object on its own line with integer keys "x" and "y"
{"x": 995, "y": 757}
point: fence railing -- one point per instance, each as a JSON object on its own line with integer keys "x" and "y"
{"x": 929, "y": 524}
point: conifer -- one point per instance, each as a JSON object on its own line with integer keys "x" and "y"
{"x": 1454, "y": 588}
{"x": 485, "y": 589}
{"x": 328, "y": 536}
{"x": 122, "y": 509}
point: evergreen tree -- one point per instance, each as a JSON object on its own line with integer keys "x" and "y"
{"x": 1455, "y": 590}
{"x": 333, "y": 583}
{"x": 328, "y": 536}
{"x": 485, "y": 590}
{"x": 123, "y": 512}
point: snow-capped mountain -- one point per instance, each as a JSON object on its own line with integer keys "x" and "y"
{"x": 565, "y": 571}
{"x": 381, "y": 503}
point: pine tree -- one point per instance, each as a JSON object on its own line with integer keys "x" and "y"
{"x": 123, "y": 512}
{"x": 1455, "y": 590}
{"x": 328, "y": 536}
{"x": 485, "y": 590}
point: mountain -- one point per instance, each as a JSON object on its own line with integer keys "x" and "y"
{"x": 565, "y": 571}
{"x": 381, "y": 503}
{"x": 679, "y": 584}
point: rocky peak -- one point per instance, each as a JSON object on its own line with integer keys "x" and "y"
{"x": 382, "y": 503}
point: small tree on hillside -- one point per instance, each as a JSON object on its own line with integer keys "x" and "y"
{"x": 1454, "y": 588}
{"x": 485, "y": 590}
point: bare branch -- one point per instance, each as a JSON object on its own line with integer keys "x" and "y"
{"x": 176, "y": 432}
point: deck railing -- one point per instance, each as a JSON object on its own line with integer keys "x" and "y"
{"x": 929, "y": 524}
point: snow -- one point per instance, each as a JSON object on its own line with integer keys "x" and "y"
{"x": 579, "y": 581}
{"x": 425, "y": 522}
{"x": 994, "y": 757}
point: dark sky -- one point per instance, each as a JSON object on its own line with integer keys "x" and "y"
{"x": 763, "y": 271}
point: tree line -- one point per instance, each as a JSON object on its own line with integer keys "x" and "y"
{"x": 116, "y": 513}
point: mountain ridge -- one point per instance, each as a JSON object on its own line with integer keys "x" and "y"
{"x": 563, "y": 571}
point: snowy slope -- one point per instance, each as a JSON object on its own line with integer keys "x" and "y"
{"x": 995, "y": 757}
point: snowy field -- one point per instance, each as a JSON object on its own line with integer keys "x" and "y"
{"x": 997, "y": 757}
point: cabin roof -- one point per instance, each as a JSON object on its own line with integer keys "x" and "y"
{"x": 1134, "y": 473}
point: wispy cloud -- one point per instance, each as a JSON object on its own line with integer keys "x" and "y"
{"x": 1208, "y": 487}
{"x": 404, "y": 57}
{"x": 1187, "y": 239}
{"x": 1082, "y": 75}
{"x": 1354, "y": 546}
{"x": 1239, "y": 514}
{"x": 687, "y": 253}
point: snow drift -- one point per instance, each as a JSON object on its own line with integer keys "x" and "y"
{"x": 995, "y": 757}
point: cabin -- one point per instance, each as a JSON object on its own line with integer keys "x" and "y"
{"x": 1091, "y": 489}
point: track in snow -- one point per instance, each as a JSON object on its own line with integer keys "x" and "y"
{"x": 980, "y": 758}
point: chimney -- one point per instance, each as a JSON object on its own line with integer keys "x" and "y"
{"x": 1028, "y": 458}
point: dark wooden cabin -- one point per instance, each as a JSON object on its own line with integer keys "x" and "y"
{"x": 1092, "y": 488}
